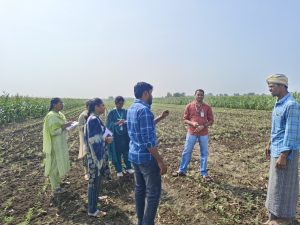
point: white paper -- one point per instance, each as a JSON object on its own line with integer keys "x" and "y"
{"x": 107, "y": 133}
{"x": 72, "y": 126}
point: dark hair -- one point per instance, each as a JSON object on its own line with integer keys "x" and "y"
{"x": 200, "y": 90}
{"x": 87, "y": 103}
{"x": 119, "y": 99}
{"x": 93, "y": 103}
{"x": 140, "y": 88}
{"x": 53, "y": 102}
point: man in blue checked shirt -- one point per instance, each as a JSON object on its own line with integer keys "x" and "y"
{"x": 143, "y": 153}
{"x": 283, "y": 151}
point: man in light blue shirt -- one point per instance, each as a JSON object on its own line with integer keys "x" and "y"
{"x": 283, "y": 152}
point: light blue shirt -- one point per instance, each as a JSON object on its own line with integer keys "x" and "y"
{"x": 285, "y": 132}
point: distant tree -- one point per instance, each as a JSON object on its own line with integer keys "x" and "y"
{"x": 169, "y": 94}
{"x": 236, "y": 94}
{"x": 210, "y": 94}
{"x": 111, "y": 98}
{"x": 178, "y": 94}
{"x": 225, "y": 94}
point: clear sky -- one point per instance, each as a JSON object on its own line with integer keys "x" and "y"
{"x": 94, "y": 48}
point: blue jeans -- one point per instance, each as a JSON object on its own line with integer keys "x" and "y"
{"x": 188, "y": 149}
{"x": 147, "y": 191}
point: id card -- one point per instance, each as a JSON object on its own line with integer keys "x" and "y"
{"x": 202, "y": 114}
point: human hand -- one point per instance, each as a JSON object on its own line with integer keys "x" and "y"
{"x": 109, "y": 140}
{"x": 199, "y": 128}
{"x": 164, "y": 114}
{"x": 64, "y": 126}
{"x": 267, "y": 152}
{"x": 281, "y": 162}
{"x": 163, "y": 167}
{"x": 195, "y": 124}
{"x": 120, "y": 122}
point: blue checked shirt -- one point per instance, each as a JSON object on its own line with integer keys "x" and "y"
{"x": 285, "y": 132}
{"x": 141, "y": 131}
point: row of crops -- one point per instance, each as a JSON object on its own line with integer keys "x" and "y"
{"x": 19, "y": 108}
{"x": 258, "y": 102}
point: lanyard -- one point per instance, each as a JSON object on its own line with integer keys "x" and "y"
{"x": 120, "y": 116}
{"x": 198, "y": 109}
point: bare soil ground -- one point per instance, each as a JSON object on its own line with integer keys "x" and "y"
{"x": 236, "y": 162}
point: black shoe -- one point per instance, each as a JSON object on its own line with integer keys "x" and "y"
{"x": 178, "y": 174}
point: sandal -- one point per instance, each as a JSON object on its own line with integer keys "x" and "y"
{"x": 267, "y": 222}
{"x": 283, "y": 222}
{"x": 98, "y": 213}
{"x": 103, "y": 197}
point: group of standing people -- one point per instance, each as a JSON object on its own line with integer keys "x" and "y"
{"x": 93, "y": 148}
{"x": 98, "y": 143}
{"x": 131, "y": 135}
{"x": 131, "y": 138}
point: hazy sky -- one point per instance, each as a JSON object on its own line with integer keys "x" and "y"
{"x": 89, "y": 48}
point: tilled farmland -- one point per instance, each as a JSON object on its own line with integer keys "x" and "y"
{"x": 236, "y": 162}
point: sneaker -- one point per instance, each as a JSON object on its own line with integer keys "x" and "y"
{"x": 130, "y": 171}
{"x": 66, "y": 183}
{"x": 178, "y": 174}
{"x": 98, "y": 213}
{"x": 120, "y": 174}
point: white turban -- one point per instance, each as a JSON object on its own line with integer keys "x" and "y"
{"x": 278, "y": 79}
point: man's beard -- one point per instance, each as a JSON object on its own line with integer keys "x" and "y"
{"x": 199, "y": 100}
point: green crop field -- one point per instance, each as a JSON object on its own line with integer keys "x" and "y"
{"x": 236, "y": 162}
{"x": 259, "y": 102}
